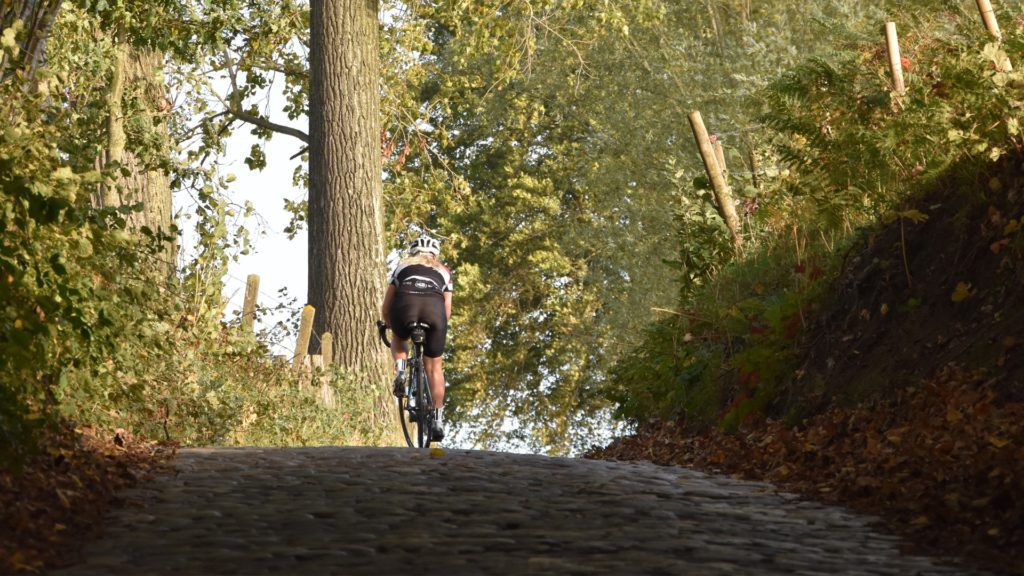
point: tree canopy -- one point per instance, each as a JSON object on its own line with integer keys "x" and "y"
{"x": 545, "y": 142}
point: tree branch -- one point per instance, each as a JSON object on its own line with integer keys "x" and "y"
{"x": 233, "y": 105}
{"x": 281, "y": 68}
{"x": 264, "y": 123}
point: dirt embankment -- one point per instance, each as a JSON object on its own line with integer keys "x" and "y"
{"x": 942, "y": 284}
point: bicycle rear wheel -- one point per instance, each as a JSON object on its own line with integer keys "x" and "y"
{"x": 425, "y": 407}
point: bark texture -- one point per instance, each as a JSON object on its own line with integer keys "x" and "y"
{"x": 346, "y": 251}
{"x": 150, "y": 181}
{"x": 136, "y": 77}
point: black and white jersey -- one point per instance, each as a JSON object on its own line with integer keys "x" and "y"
{"x": 422, "y": 279}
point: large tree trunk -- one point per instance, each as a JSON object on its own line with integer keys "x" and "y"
{"x": 150, "y": 183}
{"x": 110, "y": 197}
{"x": 346, "y": 252}
{"x": 138, "y": 71}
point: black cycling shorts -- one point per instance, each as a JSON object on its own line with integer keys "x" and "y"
{"x": 429, "y": 308}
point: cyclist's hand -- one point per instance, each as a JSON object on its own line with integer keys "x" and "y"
{"x": 382, "y": 328}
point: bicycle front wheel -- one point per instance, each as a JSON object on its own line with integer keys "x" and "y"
{"x": 405, "y": 417}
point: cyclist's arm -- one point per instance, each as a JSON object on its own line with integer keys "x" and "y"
{"x": 385, "y": 308}
{"x": 448, "y": 305}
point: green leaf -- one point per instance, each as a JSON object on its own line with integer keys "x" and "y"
{"x": 58, "y": 265}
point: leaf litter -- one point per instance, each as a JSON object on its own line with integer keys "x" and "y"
{"x": 941, "y": 464}
{"x": 56, "y": 502}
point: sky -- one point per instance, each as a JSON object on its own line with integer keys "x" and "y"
{"x": 278, "y": 261}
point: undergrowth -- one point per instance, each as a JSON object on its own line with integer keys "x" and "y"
{"x": 97, "y": 328}
{"x": 845, "y": 155}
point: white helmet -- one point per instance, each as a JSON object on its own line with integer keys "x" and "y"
{"x": 425, "y": 244}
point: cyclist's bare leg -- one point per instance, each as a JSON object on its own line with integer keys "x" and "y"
{"x": 398, "y": 348}
{"x": 435, "y": 375}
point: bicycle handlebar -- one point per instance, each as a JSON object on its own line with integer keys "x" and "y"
{"x": 382, "y": 329}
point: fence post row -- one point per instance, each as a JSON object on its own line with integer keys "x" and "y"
{"x": 723, "y": 196}
{"x": 252, "y": 289}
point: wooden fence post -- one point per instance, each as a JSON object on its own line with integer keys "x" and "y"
{"x": 988, "y": 16}
{"x": 723, "y": 195}
{"x": 305, "y": 331}
{"x": 892, "y": 42}
{"x": 252, "y": 289}
{"x": 327, "y": 348}
{"x": 720, "y": 158}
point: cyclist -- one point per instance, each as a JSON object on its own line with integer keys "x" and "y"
{"x": 420, "y": 289}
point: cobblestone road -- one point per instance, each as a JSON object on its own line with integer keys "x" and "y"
{"x": 353, "y": 511}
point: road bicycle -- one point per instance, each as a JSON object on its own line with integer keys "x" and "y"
{"x": 415, "y": 403}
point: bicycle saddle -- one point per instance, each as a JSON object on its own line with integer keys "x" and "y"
{"x": 418, "y": 331}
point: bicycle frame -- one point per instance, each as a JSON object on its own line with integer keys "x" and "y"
{"x": 417, "y": 401}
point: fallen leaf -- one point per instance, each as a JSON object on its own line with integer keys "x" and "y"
{"x": 63, "y": 498}
{"x": 997, "y": 441}
{"x": 953, "y": 415}
{"x": 962, "y": 292}
{"x": 22, "y": 563}
{"x": 895, "y": 435}
{"x": 997, "y": 473}
{"x": 995, "y": 247}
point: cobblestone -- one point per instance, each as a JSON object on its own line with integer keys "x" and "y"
{"x": 381, "y": 511}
